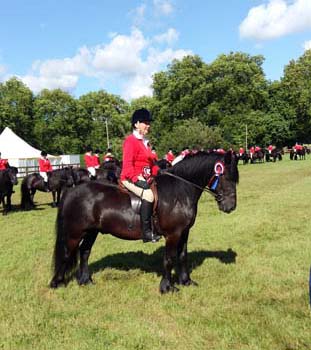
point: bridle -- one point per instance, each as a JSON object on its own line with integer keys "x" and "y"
{"x": 208, "y": 189}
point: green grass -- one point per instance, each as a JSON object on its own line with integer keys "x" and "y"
{"x": 259, "y": 301}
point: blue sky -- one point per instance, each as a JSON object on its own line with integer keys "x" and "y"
{"x": 83, "y": 46}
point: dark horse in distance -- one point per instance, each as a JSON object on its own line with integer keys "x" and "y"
{"x": 58, "y": 180}
{"x": 96, "y": 207}
{"x": 8, "y": 178}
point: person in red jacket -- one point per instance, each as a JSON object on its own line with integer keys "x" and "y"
{"x": 138, "y": 169}
{"x": 4, "y": 164}
{"x": 44, "y": 168}
{"x": 241, "y": 151}
{"x": 90, "y": 161}
{"x": 108, "y": 157}
{"x": 270, "y": 148}
{"x": 251, "y": 151}
{"x": 96, "y": 159}
{"x": 170, "y": 156}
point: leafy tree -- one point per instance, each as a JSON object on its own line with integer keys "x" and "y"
{"x": 101, "y": 113}
{"x": 16, "y": 103}
{"x": 296, "y": 90}
{"x": 56, "y": 123}
{"x": 190, "y": 133}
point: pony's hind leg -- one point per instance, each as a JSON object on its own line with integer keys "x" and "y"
{"x": 65, "y": 261}
{"x": 84, "y": 276}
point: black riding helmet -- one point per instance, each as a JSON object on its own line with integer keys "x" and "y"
{"x": 43, "y": 154}
{"x": 141, "y": 115}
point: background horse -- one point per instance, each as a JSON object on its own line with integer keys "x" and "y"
{"x": 8, "y": 178}
{"x": 80, "y": 176}
{"x": 58, "y": 181}
{"x": 258, "y": 156}
{"x": 244, "y": 158}
{"x": 95, "y": 207}
{"x": 30, "y": 185}
{"x": 109, "y": 172}
{"x": 294, "y": 154}
{"x": 274, "y": 155}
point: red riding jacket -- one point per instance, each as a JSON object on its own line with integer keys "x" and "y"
{"x": 3, "y": 164}
{"x": 137, "y": 160}
{"x": 45, "y": 165}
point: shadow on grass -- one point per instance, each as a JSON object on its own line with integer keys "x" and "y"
{"x": 154, "y": 262}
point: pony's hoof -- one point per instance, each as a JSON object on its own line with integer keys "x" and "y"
{"x": 167, "y": 287}
{"x": 84, "y": 281}
{"x": 188, "y": 283}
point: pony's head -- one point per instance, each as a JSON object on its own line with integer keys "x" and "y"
{"x": 223, "y": 182}
{"x": 12, "y": 172}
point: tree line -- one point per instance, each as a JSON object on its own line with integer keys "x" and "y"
{"x": 194, "y": 104}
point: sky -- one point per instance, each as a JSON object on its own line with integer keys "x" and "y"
{"x": 87, "y": 45}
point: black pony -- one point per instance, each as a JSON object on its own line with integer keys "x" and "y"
{"x": 299, "y": 153}
{"x": 80, "y": 176}
{"x": 95, "y": 207}
{"x": 258, "y": 156}
{"x": 30, "y": 185}
{"x": 58, "y": 181}
{"x": 8, "y": 178}
{"x": 109, "y": 172}
{"x": 274, "y": 155}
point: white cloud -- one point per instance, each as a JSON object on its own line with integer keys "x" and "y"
{"x": 276, "y": 18}
{"x": 307, "y": 45}
{"x": 129, "y": 61}
{"x": 168, "y": 37}
{"x": 163, "y": 7}
{"x": 2, "y": 70}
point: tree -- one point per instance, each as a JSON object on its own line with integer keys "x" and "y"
{"x": 16, "y": 103}
{"x": 296, "y": 90}
{"x": 56, "y": 123}
{"x": 190, "y": 133}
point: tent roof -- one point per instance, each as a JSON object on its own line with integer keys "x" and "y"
{"x": 12, "y": 146}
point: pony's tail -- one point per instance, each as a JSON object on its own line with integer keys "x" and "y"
{"x": 64, "y": 259}
{"x": 26, "y": 202}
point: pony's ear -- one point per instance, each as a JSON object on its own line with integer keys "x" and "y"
{"x": 228, "y": 157}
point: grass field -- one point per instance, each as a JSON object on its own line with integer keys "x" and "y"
{"x": 252, "y": 267}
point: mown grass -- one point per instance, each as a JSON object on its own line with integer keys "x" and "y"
{"x": 252, "y": 267}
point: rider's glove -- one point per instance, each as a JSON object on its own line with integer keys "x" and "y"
{"x": 142, "y": 184}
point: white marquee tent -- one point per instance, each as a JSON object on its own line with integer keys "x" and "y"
{"x": 20, "y": 154}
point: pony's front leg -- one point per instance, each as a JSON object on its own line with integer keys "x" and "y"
{"x": 166, "y": 284}
{"x": 54, "y": 199}
{"x": 182, "y": 261}
{"x": 83, "y": 275}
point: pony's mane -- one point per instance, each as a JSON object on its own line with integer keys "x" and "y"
{"x": 195, "y": 165}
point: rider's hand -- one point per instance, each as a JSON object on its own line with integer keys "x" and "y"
{"x": 142, "y": 184}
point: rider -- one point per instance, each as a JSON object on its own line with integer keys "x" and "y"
{"x": 241, "y": 151}
{"x": 96, "y": 159}
{"x": 270, "y": 148}
{"x": 44, "y": 168}
{"x": 252, "y": 151}
{"x": 170, "y": 156}
{"x": 4, "y": 164}
{"x": 108, "y": 157}
{"x": 89, "y": 161}
{"x": 138, "y": 169}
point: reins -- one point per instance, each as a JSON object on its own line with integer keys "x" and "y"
{"x": 205, "y": 189}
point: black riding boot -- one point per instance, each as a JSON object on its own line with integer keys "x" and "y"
{"x": 145, "y": 217}
{"x": 46, "y": 187}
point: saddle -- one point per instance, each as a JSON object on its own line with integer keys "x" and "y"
{"x": 136, "y": 200}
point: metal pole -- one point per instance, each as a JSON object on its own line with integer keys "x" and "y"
{"x": 107, "y": 132}
{"x": 245, "y": 137}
